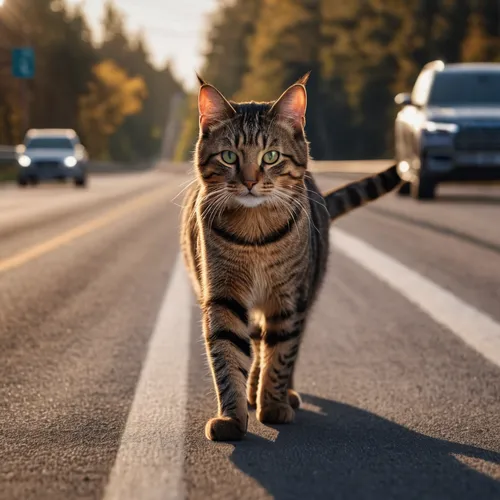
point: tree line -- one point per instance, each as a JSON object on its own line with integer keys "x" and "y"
{"x": 361, "y": 53}
{"x": 109, "y": 92}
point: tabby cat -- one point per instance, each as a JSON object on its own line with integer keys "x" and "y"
{"x": 255, "y": 240}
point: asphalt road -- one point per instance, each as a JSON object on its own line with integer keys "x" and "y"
{"x": 105, "y": 390}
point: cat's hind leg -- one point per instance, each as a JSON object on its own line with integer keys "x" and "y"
{"x": 254, "y": 375}
{"x": 293, "y": 396}
{"x": 279, "y": 349}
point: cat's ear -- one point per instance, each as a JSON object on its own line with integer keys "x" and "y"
{"x": 303, "y": 80}
{"x": 213, "y": 107}
{"x": 292, "y": 104}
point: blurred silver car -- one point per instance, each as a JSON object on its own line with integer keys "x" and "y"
{"x": 51, "y": 154}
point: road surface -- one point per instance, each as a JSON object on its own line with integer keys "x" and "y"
{"x": 105, "y": 390}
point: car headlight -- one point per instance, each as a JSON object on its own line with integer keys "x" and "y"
{"x": 450, "y": 128}
{"x": 70, "y": 161}
{"x": 24, "y": 161}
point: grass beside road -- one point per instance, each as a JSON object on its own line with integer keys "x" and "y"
{"x": 7, "y": 172}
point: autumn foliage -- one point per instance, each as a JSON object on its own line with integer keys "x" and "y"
{"x": 112, "y": 96}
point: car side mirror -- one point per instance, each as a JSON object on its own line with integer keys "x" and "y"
{"x": 403, "y": 99}
{"x": 81, "y": 151}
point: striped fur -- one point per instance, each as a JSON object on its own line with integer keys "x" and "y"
{"x": 341, "y": 201}
{"x": 255, "y": 240}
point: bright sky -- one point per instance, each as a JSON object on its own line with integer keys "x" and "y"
{"x": 174, "y": 29}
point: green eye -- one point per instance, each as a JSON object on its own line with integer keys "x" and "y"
{"x": 229, "y": 157}
{"x": 271, "y": 157}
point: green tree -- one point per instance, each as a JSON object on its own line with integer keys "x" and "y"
{"x": 64, "y": 54}
{"x": 226, "y": 60}
{"x": 65, "y": 57}
{"x": 482, "y": 40}
{"x": 140, "y": 135}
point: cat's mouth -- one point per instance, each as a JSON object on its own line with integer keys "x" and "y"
{"x": 250, "y": 200}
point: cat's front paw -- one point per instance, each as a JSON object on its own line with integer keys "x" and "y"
{"x": 276, "y": 413}
{"x": 225, "y": 429}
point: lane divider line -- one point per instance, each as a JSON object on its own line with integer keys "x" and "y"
{"x": 475, "y": 328}
{"x": 150, "y": 460}
{"x": 40, "y": 249}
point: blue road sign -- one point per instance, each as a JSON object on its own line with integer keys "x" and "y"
{"x": 23, "y": 62}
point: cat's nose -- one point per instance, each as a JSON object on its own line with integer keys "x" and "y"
{"x": 249, "y": 184}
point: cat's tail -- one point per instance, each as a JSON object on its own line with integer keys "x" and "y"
{"x": 342, "y": 200}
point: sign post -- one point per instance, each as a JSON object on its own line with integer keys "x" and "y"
{"x": 23, "y": 67}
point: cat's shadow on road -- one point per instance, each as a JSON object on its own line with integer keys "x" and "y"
{"x": 343, "y": 452}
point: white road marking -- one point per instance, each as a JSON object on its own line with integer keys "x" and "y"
{"x": 150, "y": 461}
{"x": 475, "y": 328}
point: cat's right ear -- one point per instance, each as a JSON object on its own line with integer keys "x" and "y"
{"x": 213, "y": 107}
{"x": 292, "y": 104}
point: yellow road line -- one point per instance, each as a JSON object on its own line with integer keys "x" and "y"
{"x": 40, "y": 249}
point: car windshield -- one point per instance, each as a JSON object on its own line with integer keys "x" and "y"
{"x": 466, "y": 89}
{"x": 49, "y": 143}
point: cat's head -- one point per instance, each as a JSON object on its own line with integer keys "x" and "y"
{"x": 252, "y": 153}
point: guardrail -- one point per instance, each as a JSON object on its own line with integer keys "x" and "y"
{"x": 8, "y": 158}
{"x": 7, "y": 153}
{"x": 352, "y": 167}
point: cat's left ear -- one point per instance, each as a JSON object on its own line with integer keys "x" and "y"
{"x": 213, "y": 107}
{"x": 292, "y": 104}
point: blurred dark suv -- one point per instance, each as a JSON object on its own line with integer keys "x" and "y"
{"x": 449, "y": 127}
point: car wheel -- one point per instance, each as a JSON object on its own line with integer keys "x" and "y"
{"x": 22, "y": 182}
{"x": 423, "y": 189}
{"x": 34, "y": 181}
{"x": 81, "y": 182}
{"x": 404, "y": 189}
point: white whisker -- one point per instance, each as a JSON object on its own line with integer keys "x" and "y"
{"x": 294, "y": 200}
{"x": 190, "y": 183}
